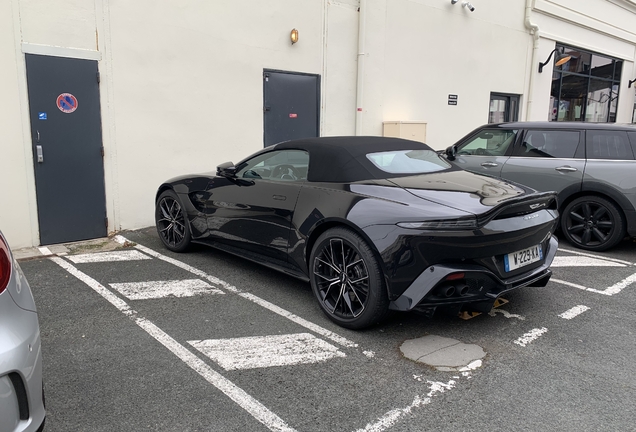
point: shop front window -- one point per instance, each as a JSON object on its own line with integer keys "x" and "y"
{"x": 585, "y": 88}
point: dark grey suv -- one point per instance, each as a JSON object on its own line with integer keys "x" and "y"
{"x": 592, "y": 166}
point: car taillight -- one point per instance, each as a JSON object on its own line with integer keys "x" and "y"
{"x": 5, "y": 265}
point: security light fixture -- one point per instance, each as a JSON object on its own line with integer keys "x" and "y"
{"x": 454, "y": 1}
{"x": 293, "y": 36}
{"x": 631, "y": 82}
{"x": 561, "y": 59}
{"x": 469, "y": 6}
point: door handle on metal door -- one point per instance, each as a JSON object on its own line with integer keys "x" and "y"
{"x": 566, "y": 169}
{"x": 38, "y": 151}
{"x": 489, "y": 164}
{"x": 279, "y": 197}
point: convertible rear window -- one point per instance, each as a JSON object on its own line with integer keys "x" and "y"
{"x": 408, "y": 161}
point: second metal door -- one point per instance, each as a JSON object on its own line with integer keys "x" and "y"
{"x": 291, "y": 106}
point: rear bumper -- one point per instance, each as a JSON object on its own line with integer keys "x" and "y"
{"x": 21, "y": 395}
{"x": 480, "y": 287}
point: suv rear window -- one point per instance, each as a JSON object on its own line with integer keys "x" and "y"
{"x": 608, "y": 145}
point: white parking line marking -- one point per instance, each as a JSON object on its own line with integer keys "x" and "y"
{"x": 530, "y": 336}
{"x": 575, "y": 261}
{"x": 264, "y": 303}
{"x": 614, "y": 289}
{"x": 596, "y": 256}
{"x": 300, "y": 321}
{"x": 125, "y": 255}
{"x": 239, "y": 396}
{"x": 575, "y": 311}
{"x": 161, "y": 289}
{"x": 392, "y": 417}
{"x": 266, "y": 351}
{"x": 618, "y": 287}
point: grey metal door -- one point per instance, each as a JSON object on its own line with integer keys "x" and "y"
{"x": 291, "y": 106}
{"x": 67, "y": 148}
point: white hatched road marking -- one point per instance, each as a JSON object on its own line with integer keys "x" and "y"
{"x": 614, "y": 289}
{"x": 126, "y": 255}
{"x": 45, "y": 251}
{"x": 507, "y": 314}
{"x": 575, "y": 261}
{"x": 575, "y": 252}
{"x": 161, "y": 289}
{"x": 270, "y": 306}
{"x": 238, "y": 395}
{"x": 530, "y": 336}
{"x": 265, "y": 351}
{"x": 574, "y": 312}
{"x": 392, "y": 417}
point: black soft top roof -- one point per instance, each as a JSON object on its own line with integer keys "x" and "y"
{"x": 343, "y": 159}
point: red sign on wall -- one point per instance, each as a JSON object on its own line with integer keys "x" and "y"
{"x": 66, "y": 102}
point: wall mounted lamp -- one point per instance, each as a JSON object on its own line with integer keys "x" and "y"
{"x": 464, "y": 4}
{"x": 561, "y": 59}
{"x": 293, "y": 36}
{"x": 631, "y": 82}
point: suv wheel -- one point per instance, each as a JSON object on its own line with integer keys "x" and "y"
{"x": 592, "y": 223}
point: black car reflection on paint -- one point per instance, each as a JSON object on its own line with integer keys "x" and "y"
{"x": 373, "y": 223}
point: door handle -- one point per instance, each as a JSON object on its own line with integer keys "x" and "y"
{"x": 566, "y": 169}
{"x": 279, "y": 197}
{"x": 38, "y": 152}
{"x": 489, "y": 164}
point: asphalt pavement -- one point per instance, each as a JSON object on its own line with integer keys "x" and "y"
{"x": 139, "y": 338}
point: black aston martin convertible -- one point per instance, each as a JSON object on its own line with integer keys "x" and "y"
{"x": 373, "y": 223}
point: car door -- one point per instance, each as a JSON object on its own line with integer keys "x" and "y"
{"x": 548, "y": 160}
{"x": 254, "y": 209}
{"x": 486, "y": 151}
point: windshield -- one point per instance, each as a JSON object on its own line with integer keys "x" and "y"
{"x": 408, "y": 161}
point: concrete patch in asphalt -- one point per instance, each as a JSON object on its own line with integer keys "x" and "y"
{"x": 442, "y": 353}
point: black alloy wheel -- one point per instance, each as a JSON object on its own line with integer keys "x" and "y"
{"x": 347, "y": 280}
{"x": 172, "y": 226}
{"x": 593, "y": 223}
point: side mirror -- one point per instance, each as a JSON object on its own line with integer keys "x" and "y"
{"x": 451, "y": 152}
{"x": 226, "y": 169}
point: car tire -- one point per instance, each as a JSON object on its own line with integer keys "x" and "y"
{"x": 356, "y": 297}
{"x": 172, "y": 224}
{"x": 592, "y": 223}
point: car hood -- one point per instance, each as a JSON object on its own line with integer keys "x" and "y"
{"x": 462, "y": 190}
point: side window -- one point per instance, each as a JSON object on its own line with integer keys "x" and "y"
{"x": 281, "y": 165}
{"x": 608, "y": 145}
{"x": 488, "y": 142}
{"x": 632, "y": 138}
{"x": 549, "y": 144}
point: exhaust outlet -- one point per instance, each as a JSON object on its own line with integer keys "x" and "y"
{"x": 462, "y": 290}
{"x": 446, "y": 291}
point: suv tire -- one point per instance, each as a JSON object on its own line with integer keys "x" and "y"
{"x": 593, "y": 223}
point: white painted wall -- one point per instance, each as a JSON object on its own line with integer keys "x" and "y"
{"x": 428, "y": 49}
{"x": 15, "y": 158}
{"x": 182, "y": 80}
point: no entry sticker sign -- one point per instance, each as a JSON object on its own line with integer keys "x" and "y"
{"x": 66, "y": 102}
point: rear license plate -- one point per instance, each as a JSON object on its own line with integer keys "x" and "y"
{"x": 522, "y": 258}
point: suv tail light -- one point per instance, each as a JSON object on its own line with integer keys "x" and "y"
{"x": 5, "y": 265}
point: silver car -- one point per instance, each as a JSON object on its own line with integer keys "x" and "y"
{"x": 21, "y": 393}
{"x": 590, "y": 165}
